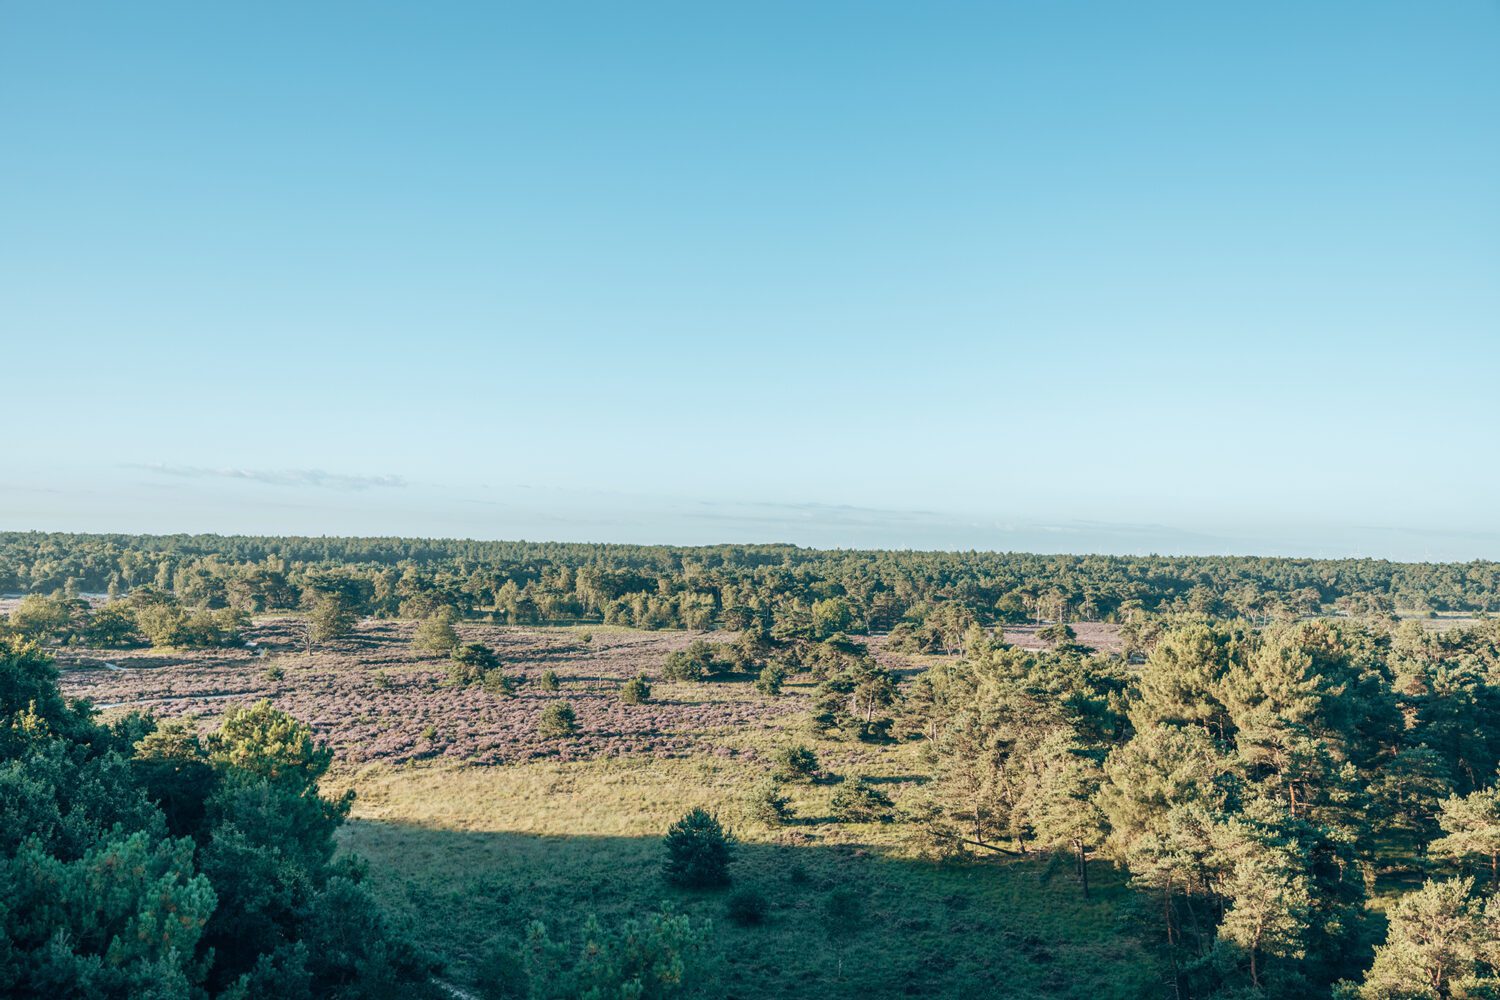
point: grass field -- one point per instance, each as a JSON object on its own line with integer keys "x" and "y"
{"x": 469, "y": 853}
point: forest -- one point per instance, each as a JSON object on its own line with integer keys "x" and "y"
{"x": 695, "y": 587}
{"x": 239, "y": 767}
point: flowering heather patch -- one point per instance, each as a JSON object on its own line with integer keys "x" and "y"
{"x": 375, "y": 697}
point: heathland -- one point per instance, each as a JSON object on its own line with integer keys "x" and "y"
{"x": 746, "y": 772}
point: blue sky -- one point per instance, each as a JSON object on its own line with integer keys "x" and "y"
{"x": 1063, "y": 276}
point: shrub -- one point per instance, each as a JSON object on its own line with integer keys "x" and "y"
{"x": 381, "y": 680}
{"x": 1057, "y": 634}
{"x": 698, "y": 851}
{"x": 772, "y": 676}
{"x": 747, "y": 908}
{"x": 859, "y": 801}
{"x": 548, "y": 681}
{"x": 653, "y": 957}
{"x": 796, "y": 763}
{"x": 113, "y": 626}
{"x": 274, "y": 673}
{"x": 470, "y": 663}
{"x": 636, "y": 691}
{"x": 769, "y": 804}
{"x": 436, "y": 634}
{"x": 558, "y": 719}
{"x": 498, "y": 682}
{"x": 691, "y": 664}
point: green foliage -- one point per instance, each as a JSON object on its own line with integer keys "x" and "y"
{"x": 795, "y": 763}
{"x": 769, "y": 803}
{"x": 330, "y": 618}
{"x": 188, "y": 868}
{"x": 694, "y": 663}
{"x": 558, "y": 719}
{"x": 113, "y": 627}
{"x": 856, "y": 701}
{"x": 636, "y": 691}
{"x": 1443, "y": 942}
{"x": 770, "y": 679}
{"x": 1057, "y": 634}
{"x": 858, "y": 801}
{"x": 167, "y": 624}
{"x": 650, "y": 958}
{"x": 436, "y": 634}
{"x": 1471, "y": 828}
{"x": 698, "y": 851}
{"x": 475, "y": 663}
{"x": 548, "y": 681}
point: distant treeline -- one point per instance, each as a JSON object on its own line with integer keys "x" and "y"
{"x": 726, "y": 585}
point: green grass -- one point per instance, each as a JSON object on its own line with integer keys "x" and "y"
{"x": 468, "y": 853}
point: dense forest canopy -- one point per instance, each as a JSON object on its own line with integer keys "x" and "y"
{"x": 668, "y": 586}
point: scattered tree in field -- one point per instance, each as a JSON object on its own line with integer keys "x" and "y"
{"x": 558, "y": 720}
{"x": 636, "y": 691}
{"x": 548, "y": 681}
{"x": 1057, "y": 634}
{"x": 330, "y": 618}
{"x": 858, "y": 801}
{"x": 769, "y": 803}
{"x": 497, "y": 682}
{"x": 694, "y": 663}
{"x": 470, "y": 663}
{"x": 770, "y": 679}
{"x": 795, "y": 763}
{"x": 855, "y": 701}
{"x": 436, "y": 634}
{"x": 698, "y": 851}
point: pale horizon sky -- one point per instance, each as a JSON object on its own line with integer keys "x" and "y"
{"x": 1171, "y": 277}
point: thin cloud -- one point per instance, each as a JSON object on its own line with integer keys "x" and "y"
{"x": 296, "y": 478}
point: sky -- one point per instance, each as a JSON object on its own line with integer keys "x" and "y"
{"x": 1048, "y": 276}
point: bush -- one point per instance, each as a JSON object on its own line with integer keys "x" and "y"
{"x": 636, "y": 691}
{"x": 698, "y": 851}
{"x": 860, "y": 802}
{"x": 558, "y": 719}
{"x": 772, "y": 676}
{"x": 275, "y": 673}
{"x": 470, "y": 663}
{"x": 769, "y": 804}
{"x": 691, "y": 664}
{"x": 796, "y": 763}
{"x": 436, "y": 634}
{"x": 548, "y": 681}
{"x": 1057, "y": 634}
{"x": 747, "y": 908}
{"x": 653, "y": 957}
{"x": 498, "y": 682}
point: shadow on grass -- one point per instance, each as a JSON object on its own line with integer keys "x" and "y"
{"x": 923, "y": 929}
